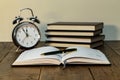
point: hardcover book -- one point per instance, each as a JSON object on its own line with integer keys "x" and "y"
{"x": 76, "y": 26}
{"x": 69, "y": 44}
{"x": 72, "y": 33}
{"x": 72, "y": 39}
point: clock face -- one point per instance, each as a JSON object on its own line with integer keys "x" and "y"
{"x": 26, "y": 35}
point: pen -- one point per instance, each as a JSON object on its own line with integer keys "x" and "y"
{"x": 59, "y": 51}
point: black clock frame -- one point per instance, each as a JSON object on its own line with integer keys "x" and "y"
{"x": 15, "y": 31}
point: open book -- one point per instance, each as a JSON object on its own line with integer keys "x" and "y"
{"x": 81, "y": 55}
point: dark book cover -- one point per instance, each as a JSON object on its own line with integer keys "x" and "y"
{"x": 77, "y": 23}
{"x": 67, "y": 44}
{"x": 75, "y": 26}
{"x": 72, "y": 33}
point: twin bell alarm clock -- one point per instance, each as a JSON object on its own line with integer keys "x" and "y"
{"x": 26, "y": 34}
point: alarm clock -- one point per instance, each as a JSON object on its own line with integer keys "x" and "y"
{"x": 26, "y": 33}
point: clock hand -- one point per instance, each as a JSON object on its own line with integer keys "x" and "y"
{"x": 24, "y": 39}
{"x": 24, "y": 31}
{"x": 26, "y": 28}
{"x": 27, "y": 32}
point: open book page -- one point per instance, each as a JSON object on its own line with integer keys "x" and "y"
{"x": 33, "y": 56}
{"x": 85, "y": 55}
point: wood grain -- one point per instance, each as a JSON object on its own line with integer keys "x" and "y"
{"x": 16, "y": 73}
{"x": 69, "y": 73}
{"x": 107, "y": 72}
{"x": 4, "y": 49}
{"x": 8, "y": 55}
{"x": 115, "y": 45}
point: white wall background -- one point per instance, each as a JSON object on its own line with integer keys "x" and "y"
{"x": 48, "y": 11}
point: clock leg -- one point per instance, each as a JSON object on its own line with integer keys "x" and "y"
{"x": 17, "y": 49}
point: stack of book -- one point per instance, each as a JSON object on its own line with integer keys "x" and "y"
{"x": 66, "y": 34}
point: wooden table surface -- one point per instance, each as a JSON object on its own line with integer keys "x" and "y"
{"x": 78, "y": 72}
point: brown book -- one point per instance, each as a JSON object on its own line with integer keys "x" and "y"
{"x": 77, "y": 39}
{"x": 64, "y": 44}
{"x": 75, "y": 26}
{"x": 73, "y": 33}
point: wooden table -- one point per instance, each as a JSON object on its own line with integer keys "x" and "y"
{"x": 79, "y": 72}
